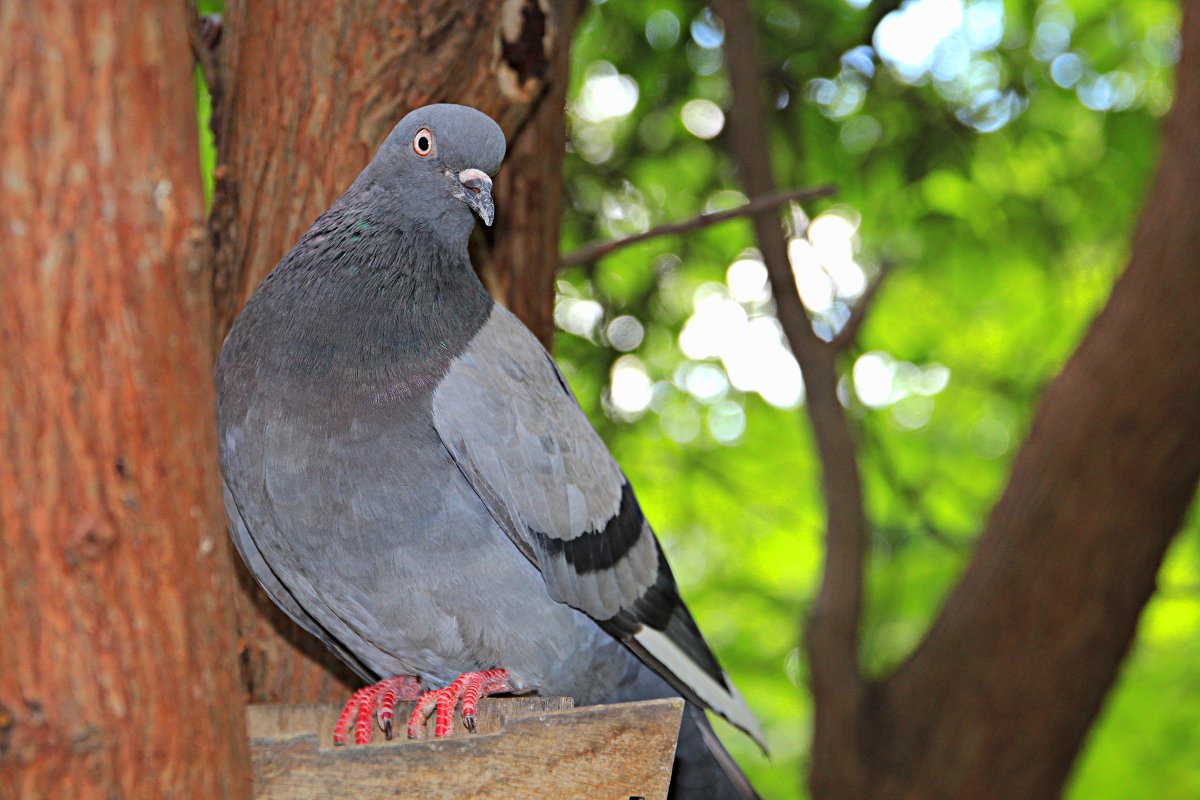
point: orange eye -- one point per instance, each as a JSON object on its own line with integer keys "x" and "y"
{"x": 423, "y": 142}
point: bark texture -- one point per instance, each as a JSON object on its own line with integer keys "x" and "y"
{"x": 305, "y": 94}
{"x": 117, "y": 676}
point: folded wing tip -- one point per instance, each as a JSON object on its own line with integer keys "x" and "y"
{"x": 725, "y": 699}
{"x": 747, "y": 722}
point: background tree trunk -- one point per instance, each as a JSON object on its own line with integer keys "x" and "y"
{"x": 117, "y": 676}
{"x": 305, "y": 94}
{"x": 997, "y": 699}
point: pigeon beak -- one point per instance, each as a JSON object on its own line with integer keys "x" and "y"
{"x": 477, "y": 193}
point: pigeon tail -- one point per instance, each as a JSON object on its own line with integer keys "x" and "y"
{"x": 703, "y": 767}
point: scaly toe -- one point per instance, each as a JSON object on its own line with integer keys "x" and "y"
{"x": 470, "y": 686}
{"x": 363, "y": 706}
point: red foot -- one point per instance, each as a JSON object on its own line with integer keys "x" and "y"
{"x": 470, "y": 686}
{"x": 363, "y": 704}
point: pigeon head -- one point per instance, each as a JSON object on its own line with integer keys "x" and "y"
{"x": 437, "y": 164}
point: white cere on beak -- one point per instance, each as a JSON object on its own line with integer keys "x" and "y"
{"x": 475, "y": 179}
{"x": 474, "y": 188}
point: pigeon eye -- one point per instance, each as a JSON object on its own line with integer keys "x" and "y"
{"x": 423, "y": 142}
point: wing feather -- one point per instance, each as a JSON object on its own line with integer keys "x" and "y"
{"x": 508, "y": 420}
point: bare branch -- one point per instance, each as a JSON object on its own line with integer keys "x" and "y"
{"x": 597, "y": 250}
{"x": 832, "y": 634}
{"x": 858, "y": 315}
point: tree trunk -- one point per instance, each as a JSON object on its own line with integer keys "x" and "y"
{"x": 117, "y": 675}
{"x": 997, "y": 699}
{"x": 305, "y": 95}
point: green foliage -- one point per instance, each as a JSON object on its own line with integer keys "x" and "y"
{"x": 1003, "y": 176}
{"x": 208, "y": 148}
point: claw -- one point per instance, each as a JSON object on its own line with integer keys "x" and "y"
{"x": 380, "y": 698}
{"x": 470, "y": 686}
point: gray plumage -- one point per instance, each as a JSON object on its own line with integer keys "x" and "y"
{"x": 408, "y": 476}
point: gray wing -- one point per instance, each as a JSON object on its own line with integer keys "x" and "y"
{"x": 280, "y": 594}
{"x": 509, "y": 421}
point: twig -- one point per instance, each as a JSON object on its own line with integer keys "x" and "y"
{"x": 597, "y": 250}
{"x": 858, "y": 314}
{"x": 832, "y": 636}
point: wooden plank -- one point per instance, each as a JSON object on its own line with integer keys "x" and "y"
{"x": 526, "y": 747}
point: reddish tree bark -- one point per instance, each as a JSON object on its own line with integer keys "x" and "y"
{"x": 305, "y": 95}
{"x": 116, "y": 669}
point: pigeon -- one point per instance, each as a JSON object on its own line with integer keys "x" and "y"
{"x": 407, "y": 474}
